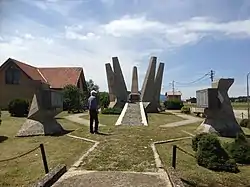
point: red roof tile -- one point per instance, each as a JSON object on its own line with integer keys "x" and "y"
{"x": 61, "y": 76}
{"x": 31, "y": 71}
{"x": 57, "y": 77}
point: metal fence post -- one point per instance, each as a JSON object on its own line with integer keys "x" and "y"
{"x": 45, "y": 164}
{"x": 174, "y": 156}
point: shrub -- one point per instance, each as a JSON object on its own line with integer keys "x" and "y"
{"x": 239, "y": 149}
{"x": 185, "y": 110}
{"x": 245, "y": 123}
{"x": 73, "y": 98}
{"x": 210, "y": 154}
{"x": 173, "y": 104}
{"x": 18, "y": 107}
{"x": 196, "y": 140}
{"x": 111, "y": 111}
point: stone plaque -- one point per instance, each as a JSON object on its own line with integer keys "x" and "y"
{"x": 207, "y": 98}
{"x": 56, "y": 99}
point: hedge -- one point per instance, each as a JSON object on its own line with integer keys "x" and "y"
{"x": 211, "y": 155}
{"x": 111, "y": 111}
{"x": 18, "y": 107}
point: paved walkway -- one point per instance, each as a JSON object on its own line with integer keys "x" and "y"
{"x": 188, "y": 120}
{"x": 80, "y": 178}
{"x": 77, "y": 119}
{"x": 238, "y": 113}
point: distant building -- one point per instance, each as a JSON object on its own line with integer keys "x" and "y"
{"x": 191, "y": 100}
{"x": 173, "y": 95}
{"x": 20, "y": 80}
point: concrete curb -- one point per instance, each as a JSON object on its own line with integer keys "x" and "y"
{"x": 143, "y": 115}
{"x": 50, "y": 178}
{"x": 119, "y": 120}
{"x": 77, "y": 119}
{"x": 158, "y": 161}
{"x": 79, "y": 161}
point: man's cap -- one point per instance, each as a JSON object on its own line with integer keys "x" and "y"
{"x": 93, "y": 91}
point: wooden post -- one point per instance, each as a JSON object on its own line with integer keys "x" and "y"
{"x": 174, "y": 156}
{"x": 45, "y": 164}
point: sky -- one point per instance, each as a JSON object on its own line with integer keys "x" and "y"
{"x": 191, "y": 37}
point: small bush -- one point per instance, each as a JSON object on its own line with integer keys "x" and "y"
{"x": 111, "y": 111}
{"x": 239, "y": 149}
{"x": 185, "y": 110}
{"x": 211, "y": 155}
{"x": 196, "y": 140}
{"x": 245, "y": 123}
{"x": 173, "y": 104}
{"x": 18, "y": 107}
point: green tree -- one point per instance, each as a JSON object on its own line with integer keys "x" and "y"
{"x": 103, "y": 98}
{"x": 73, "y": 98}
{"x": 92, "y": 86}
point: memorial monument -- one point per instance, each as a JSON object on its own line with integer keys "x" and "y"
{"x": 220, "y": 118}
{"x": 150, "y": 92}
{"x": 118, "y": 93}
{"x": 151, "y": 88}
{"x": 46, "y": 104}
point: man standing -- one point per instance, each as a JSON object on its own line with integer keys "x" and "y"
{"x": 93, "y": 112}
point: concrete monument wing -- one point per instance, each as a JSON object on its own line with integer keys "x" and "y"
{"x": 218, "y": 110}
{"x": 46, "y": 104}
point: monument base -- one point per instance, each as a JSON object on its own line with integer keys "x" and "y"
{"x": 221, "y": 128}
{"x": 134, "y": 97}
{"x": 152, "y": 107}
{"x": 36, "y": 128}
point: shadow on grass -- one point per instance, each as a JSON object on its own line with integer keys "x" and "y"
{"x": 166, "y": 113}
{"x": 189, "y": 183}
{"x": 59, "y": 118}
{"x": 247, "y": 135}
{"x": 64, "y": 132}
{"x": 3, "y": 138}
{"x": 104, "y": 134}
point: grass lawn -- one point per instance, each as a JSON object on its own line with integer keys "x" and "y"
{"x": 28, "y": 169}
{"x": 128, "y": 147}
{"x": 199, "y": 176}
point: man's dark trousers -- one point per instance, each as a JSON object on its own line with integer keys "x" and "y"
{"x": 93, "y": 114}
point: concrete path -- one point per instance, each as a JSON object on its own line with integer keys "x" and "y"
{"x": 79, "y": 178}
{"x": 77, "y": 119}
{"x": 83, "y": 178}
{"x": 188, "y": 120}
{"x": 238, "y": 113}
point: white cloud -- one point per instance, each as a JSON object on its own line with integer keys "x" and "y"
{"x": 92, "y": 44}
{"x": 178, "y": 33}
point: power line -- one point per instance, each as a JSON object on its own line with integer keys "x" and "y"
{"x": 187, "y": 85}
{"x": 197, "y": 80}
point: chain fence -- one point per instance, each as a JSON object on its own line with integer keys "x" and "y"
{"x": 21, "y": 155}
{"x": 41, "y": 147}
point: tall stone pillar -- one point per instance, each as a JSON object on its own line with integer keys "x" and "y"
{"x": 158, "y": 82}
{"x": 134, "y": 86}
{"x": 111, "y": 82}
{"x": 149, "y": 80}
{"x": 134, "y": 96}
{"x": 120, "y": 85}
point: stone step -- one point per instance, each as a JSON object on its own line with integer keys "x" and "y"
{"x": 132, "y": 115}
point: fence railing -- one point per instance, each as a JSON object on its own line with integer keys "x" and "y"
{"x": 174, "y": 155}
{"x": 41, "y": 146}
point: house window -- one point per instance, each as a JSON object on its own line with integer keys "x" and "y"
{"x": 12, "y": 76}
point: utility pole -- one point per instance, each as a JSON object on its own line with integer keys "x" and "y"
{"x": 248, "y": 101}
{"x": 173, "y": 87}
{"x": 212, "y": 75}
